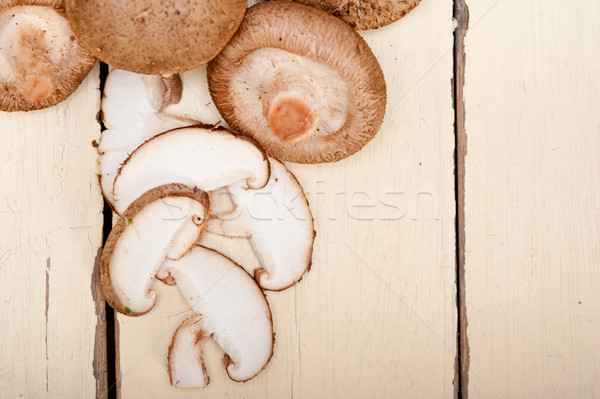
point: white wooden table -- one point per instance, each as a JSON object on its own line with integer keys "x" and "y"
{"x": 516, "y": 96}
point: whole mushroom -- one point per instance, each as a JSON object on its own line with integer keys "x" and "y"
{"x": 365, "y": 14}
{"x": 155, "y": 36}
{"x": 41, "y": 61}
{"x": 299, "y": 81}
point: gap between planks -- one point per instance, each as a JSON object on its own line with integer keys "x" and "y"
{"x": 109, "y": 389}
{"x": 461, "y": 17}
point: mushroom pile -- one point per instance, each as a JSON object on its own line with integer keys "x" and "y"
{"x": 292, "y": 83}
{"x": 171, "y": 180}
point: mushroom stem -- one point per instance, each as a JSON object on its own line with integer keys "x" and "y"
{"x": 290, "y": 117}
{"x": 290, "y": 102}
{"x": 31, "y": 64}
{"x": 163, "y": 91}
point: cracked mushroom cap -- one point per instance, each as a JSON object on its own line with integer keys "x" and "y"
{"x": 231, "y": 309}
{"x": 365, "y": 14}
{"x": 202, "y": 157}
{"x": 155, "y": 36}
{"x": 164, "y": 223}
{"x": 299, "y": 81}
{"x": 41, "y": 62}
{"x": 277, "y": 221}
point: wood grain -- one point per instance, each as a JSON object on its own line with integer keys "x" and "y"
{"x": 376, "y": 315}
{"x": 532, "y": 199}
{"x": 50, "y": 212}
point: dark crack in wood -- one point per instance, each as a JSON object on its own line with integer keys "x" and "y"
{"x": 461, "y": 17}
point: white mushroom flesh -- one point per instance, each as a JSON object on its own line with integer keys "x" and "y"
{"x": 196, "y": 103}
{"x": 131, "y": 110}
{"x": 156, "y": 231}
{"x": 269, "y": 79}
{"x": 186, "y": 237}
{"x": 278, "y": 222}
{"x": 186, "y": 359}
{"x": 197, "y": 157}
{"x": 234, "y": 311}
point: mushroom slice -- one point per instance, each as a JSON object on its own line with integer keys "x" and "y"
{"x": 203, "y": 157}
{"x": 279, "y": 224}
{"x": 186, "y": 359}
{"x": 41, "y": 62}
{"x": 165, "y": 222}
{"x": 301, "y": 82}
{"x": 365, "y": 14}
{"x": 137, "y": 107}
{"x": 232, "y": 309}
{"x": 155, "y": 37}
{"x": 133, "y": 112}
{"x": 196, "y": 102}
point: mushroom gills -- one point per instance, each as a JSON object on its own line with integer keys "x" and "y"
{"x": 234, "y": 312}
{"x": 278, "y": 222}
{"x": 28, "y": 58}
{"x": 40, "y": 61}
{"x": 164, "y": 226}
{"x": 199, "y": 157}
{"x": 299, "y": 81}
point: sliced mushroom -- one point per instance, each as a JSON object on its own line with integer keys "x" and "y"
{"x": 137, "y": 107}
{"x": 186, "y": 358}
{"x": 155, "y": 37}
{"x": 365, "y": 14}
{"x": 278, "y": 222}
{"x": 133, "y": 112}
{"x": 165, "y": 222}
{"x": 203, "y": 157}
{"x": 196, "y": 103}
{"x": 41, "y": 62}
{"x": 301, "y": 82}
{"x": 232, "y": 310}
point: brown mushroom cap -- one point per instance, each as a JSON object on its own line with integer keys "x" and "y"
{"x": 365, "y": 14}
{"x": 41, "y": 62}
{"x": 155, "y": 36}
{"x": 301, "y": 82}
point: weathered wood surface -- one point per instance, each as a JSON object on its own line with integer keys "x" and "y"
{"x": 376, "y": 315}
{"x": 51, "y": 218}
{"x": 532, "y": 198}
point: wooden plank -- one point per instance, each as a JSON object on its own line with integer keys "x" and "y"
{"x": 376, "y": 316}
{"x": 50, "y": 212}
{"x": 532, "y": 205}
